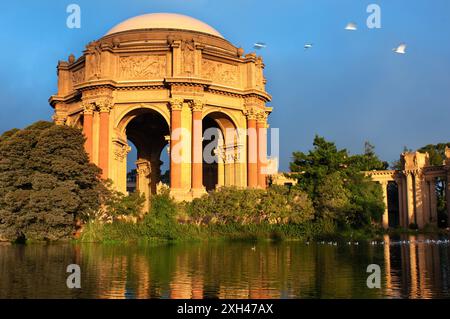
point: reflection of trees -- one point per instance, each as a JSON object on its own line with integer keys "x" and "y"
{"x": 225, "y": 270}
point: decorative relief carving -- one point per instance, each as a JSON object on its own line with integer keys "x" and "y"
{"x": 94, "y": 60}
{"x": 142, "y": 67}
{"x": 78, "y": 76}
{"x": 259, "y": 79}
{"x": 188, "y": 49}
{"x": 219, "y": 72}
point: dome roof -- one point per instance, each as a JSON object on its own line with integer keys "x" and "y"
{"x": 164, "y": 21}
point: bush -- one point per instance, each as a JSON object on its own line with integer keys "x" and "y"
{"x": 230, "y": 205}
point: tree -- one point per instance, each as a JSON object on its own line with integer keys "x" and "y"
{"x": 335, "y": 182}
{"x": 46, "y": 182}
{"x": 436, "y": 152}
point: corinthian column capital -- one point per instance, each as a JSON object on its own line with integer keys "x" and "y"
{"x": 251, "y": 113}
{"x": 261, "y": 116}
{"x": 88, "y": 108}
{"x": 197, "y": 105}
{"x": 104, "y": 105}
{"x": 176, "y": 104}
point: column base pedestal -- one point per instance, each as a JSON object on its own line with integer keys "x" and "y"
{"x": 198, "y": 192}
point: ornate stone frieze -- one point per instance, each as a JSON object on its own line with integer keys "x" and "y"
{"x": 78, "y": 76}
{"x": 222, "y": 73}
{"x": 142, "y": 67}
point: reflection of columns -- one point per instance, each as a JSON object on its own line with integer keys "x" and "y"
{"x": 197, "y": 145}
{"x": 103, "y": 149}
{"x": 413, "y": 265}
{"x": 252, "y": 146}
{"x": 175, "y": 159}
{"x": 384, "y": 185}
{"x": 88, "y": 127}
{"x": 261, "y": 126}
{"x": 410, "y": 197}
{"x": 387, "y": 262}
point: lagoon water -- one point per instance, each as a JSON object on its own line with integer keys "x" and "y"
{"x": 418, "y": 269}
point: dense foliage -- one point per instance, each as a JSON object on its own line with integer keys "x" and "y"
{"x": 436, "y": 152}
{"x": 46, "y": 182}
{"x": 337, "y": 186}
{"x": 277, "y": 205}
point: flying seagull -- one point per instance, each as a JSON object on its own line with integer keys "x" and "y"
{"x": 308, "y": 46}
{"x": 351, "y": 26}
{"x": 401, "y": 49}
{"x": 259, "y": 45}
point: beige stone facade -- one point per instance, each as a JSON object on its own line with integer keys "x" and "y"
{"x": 153, "y": 76}
{"x": 416, "y": 185}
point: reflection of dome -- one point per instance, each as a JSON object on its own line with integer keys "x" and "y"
{"x": 164, "y": 21}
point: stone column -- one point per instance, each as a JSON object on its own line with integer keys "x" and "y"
{"x": 384, "y": 185}
{"x": 197, "y": 147}
{"x": 175, "y": 139}
{"x": 143, "y": 170}
{"x": 103, "y": 147}
{"x": 88, "y": 115}
{"x": 420, "y": 200}
{"x": 400, "y": 202}
{"x": 410, "y": 197}
{"x": 433, "y": 201}
{"x": 261, "y": 126}
{"x": 405, "y": 202}
{"x": 252, "y": 148}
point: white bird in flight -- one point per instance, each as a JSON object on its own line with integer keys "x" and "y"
{"x": 308, "y": 46}
{"x": 401, "y": 49}
{"x": 259, "y": 45}
{"x": 351, "y": 26}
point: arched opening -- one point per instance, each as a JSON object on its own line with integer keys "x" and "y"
{"x": 220, "y": 146}
{"x": 393, "y": 205}
{"x": 147, "y": 133}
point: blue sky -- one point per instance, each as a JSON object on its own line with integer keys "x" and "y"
{"x": 350, "y": 87}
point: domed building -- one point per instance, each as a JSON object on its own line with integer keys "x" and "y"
{"x": 162, "y": 80}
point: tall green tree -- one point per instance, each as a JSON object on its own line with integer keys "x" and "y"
{"x": 335, "y": 182}
{"x": 46, "y": 182}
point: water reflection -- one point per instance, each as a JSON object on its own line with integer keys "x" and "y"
{"x": 414, "y": 269}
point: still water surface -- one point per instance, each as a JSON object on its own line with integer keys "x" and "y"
{"x": 418, "y": 269}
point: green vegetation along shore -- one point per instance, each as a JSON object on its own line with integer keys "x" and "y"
{"x": 49, "y": 191}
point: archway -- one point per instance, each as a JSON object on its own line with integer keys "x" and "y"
{"x": 148, "y": 132}
{"x": 393, "y": 204}
{"x": 220, "y": 149}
